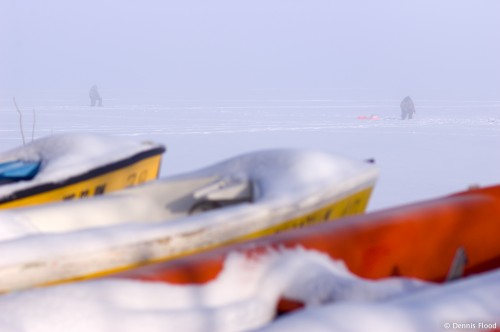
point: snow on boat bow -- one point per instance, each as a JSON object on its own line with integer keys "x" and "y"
{"x": 70, "y": 166}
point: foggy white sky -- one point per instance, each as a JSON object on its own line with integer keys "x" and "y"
{"x": 244, "y": 48}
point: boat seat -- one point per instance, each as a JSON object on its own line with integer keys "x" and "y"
{"x": 225, "y": 191}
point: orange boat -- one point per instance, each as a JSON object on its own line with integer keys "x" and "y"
{"x": 435, "y": 240}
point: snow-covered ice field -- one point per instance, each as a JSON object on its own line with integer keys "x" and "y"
{"x": 449, "y": 146}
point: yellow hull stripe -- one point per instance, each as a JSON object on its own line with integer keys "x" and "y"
{"x": 119, "y": 178}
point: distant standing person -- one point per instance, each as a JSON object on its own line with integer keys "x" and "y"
{"x": 407, "y": 108}
{"x": 95, "y": 97}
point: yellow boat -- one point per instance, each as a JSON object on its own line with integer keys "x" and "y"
{"x": 246, "y": 197}
{"x": 72, "y": 166}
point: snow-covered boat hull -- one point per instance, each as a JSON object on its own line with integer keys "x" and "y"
{"x": 75, "y": 166}
{"x": 436, "y": 240}
{"x": 248, "y": 197}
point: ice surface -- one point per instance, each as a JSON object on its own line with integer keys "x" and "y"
{"x": 448, "y": 146}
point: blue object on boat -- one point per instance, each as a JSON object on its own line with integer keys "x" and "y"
{"x": 18, "y": 170}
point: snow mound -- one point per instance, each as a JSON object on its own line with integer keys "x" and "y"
{"x": 243, "y": 297}
{"x": 469, "y": 304}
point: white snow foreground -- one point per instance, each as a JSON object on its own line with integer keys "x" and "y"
{"x": 470, "y": 304}
{"x": 243, "y": 297}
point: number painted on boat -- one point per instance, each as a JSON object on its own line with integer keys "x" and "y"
{"x": 97, "y": 190}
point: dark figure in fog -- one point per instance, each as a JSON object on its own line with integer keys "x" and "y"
{"x": 407, "y": 108}
{"x": 95, "y": 97}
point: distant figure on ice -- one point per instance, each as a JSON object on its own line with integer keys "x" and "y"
{"x": 407, "y": 108}
{"x": 95, "y": 97}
